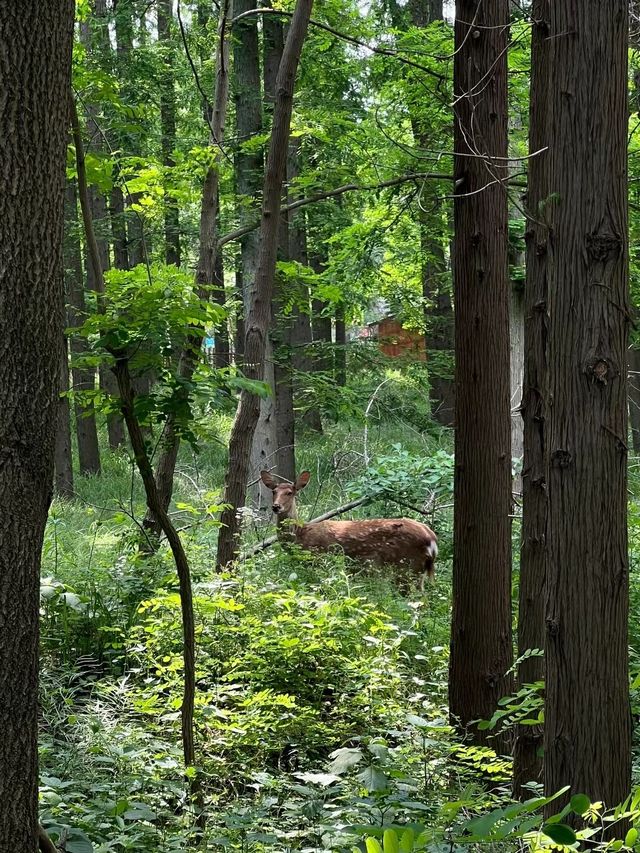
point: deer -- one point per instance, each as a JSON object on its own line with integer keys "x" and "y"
{"x": 408, "y": 545}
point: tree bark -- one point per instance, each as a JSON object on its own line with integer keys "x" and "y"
{"x": 634, "y": 397}
{"x": 341, "y": 347}
{"x": 587, "y": 596}
{"x": 257, "y": 327}
{"x": 95, "y": 37}
{"x": 280, "y": 336}
{"x": 168, "y": 130}
{"x": 481, "y": 651}
{"x": 527, "y": 761}
{"x": 205, "y": 276}
{"x": 64, "y": 455}
{"x": 83, "y": 378}
{"x": 35, "y": 67}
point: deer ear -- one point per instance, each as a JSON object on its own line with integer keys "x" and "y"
{"x": 268, "y": 480}
{"x": 302, "y": 480}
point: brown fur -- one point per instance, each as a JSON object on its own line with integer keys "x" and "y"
{"x": 401, "y": 542}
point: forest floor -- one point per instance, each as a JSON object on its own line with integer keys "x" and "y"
{"x": 321, "y": 704}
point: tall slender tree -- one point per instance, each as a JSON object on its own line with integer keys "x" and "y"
{"x": 527, "y": 764}
{"x": 168, "y": 130}
{"x": 257, "y": 326}
{"x": 587, "y": 740}
{"x": 481, "y": 651}
{"x": 83, "y": 376}
{"x": 35, "y": 68}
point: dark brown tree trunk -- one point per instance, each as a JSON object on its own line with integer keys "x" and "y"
{"x": 280, "y": 335}
{"x": 587, "y": 737}
{"x": 35, "y": 62}
{"x": 527, "y": 760}
{"x": 205, "y": 276}
{"x": 83, "y": 378}
{"x": 118, "y": 229}
{"x": 481, "y": 650}
{"x": 248, "y": 175}
{"x": 257, "y": 327}
{"x": 64, "y": 455}
{"x": 168, "y": 129}
{"x": 321, "y": 326}
{"x": 634, "y": 397}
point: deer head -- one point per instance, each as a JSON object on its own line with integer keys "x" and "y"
{"x": 284, "y": 494}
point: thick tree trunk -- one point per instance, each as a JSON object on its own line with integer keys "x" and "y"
{"x": 83, "y": 378}
{"x": 481, "y": 651}
{"x": 257, "y": 327}
{"x": 64, "y": 454}
{"x": 587, "y": 597}
{"x": 35, "y": 66}
{"x": 516, "y": 360}
{"x": 527, "y": 760}
{"x": 118, "y": 229}
{"x": 634, "y": 397}
{"x": 168, "y": 129}
{"x": 280, "y": 335}
{"x": 248, "y": 175}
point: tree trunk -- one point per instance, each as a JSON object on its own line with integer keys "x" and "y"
{"x": 257, "y": 327}
{"x": 83, "y": 378}
{"x": 205, "y": 276}
{"x": 527, "y": 760}
{"x": 341, "y": 347}
{"x": 634, "y": 397}
{"x": 587, "y": 597}
{"x": 437, "y": 301}
{"x": 64, "y": 455}
{"x": 481, "y": 651}
{"x": 35, "y": 58}
{"x": 301, "y": 332}
{"x": 516, "y": 360}
{"x": 248, "y": 176}
{"x": 280, "y": 336}
{"x": 168, "y": 130}
{"x": 222, "y": 352}
{"x": 95, "y": 37}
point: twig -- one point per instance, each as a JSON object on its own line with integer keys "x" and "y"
{"x": 45, "y": 844}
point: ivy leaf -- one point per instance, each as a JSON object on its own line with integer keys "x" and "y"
{"x": 560, "y": 833}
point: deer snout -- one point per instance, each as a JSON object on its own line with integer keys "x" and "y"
{"x": 276, "y": 508}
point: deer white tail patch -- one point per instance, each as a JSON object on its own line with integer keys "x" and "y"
{"x": 432, "y": 549}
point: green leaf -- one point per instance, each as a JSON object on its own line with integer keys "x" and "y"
{"x": 406, "y": 841}
{"x": 390, "y": 841}
{"x": 580, "y": 803}
{"x": 373, "y": 845}
{"x": 631, "y": 837}
{"x": 373, "y": 779}
{"x": 560, "y": 833}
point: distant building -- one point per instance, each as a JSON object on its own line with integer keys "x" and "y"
{"x": 395, "y": 341}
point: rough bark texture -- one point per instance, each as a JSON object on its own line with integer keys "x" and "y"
{"x": 222, "y": 353}
{"x": 64, "y": 454}
{"x": 83, "y": 378}
{"x": 248, "y": 176}
{"x": 168, "y": 129}
{"x": 35, "y": 69}
{"x": 481, "y": 651}
{"x": 587, "y": 732}
{"x": 527, "y": 761}
{"x": 634, "y": 397}
{"x": 280, "y": 335}
{"x": 516, "y": 360}
{"x": 257, "y": 326}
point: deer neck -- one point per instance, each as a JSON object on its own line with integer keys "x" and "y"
{"x": 287, "y": 525}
